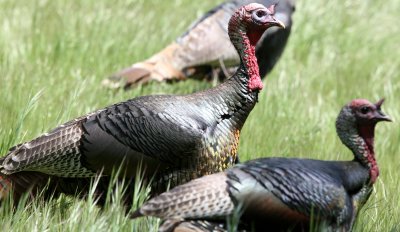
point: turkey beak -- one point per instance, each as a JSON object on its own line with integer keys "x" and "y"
{"x": 274, "y": 21}
{"x": 379, "y": 115}
{"x": 278, "y": 23}
{"x": 264, "y": 17}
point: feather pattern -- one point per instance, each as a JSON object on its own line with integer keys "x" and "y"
{"x": 173, "y": 137}
{"x": 281, "y": 193}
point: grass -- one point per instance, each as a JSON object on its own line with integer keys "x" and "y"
{"x": 54, "y": 54}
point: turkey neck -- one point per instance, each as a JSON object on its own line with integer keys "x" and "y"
{"x": 244, "y": 38}
{"x": 237, "y": 96}
{"x": 360, "y": 140}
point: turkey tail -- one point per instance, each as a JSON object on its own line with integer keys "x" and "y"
{"x": 47, "y": 153}
{"x": 203, "y": 197}
{"x": 160, "y": 67}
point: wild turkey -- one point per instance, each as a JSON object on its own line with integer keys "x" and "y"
{"x": 192, "y": 56}
{"x": 282, "y": 193}
{"x": 180, "y": 137}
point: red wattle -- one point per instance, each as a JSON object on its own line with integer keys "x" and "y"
{"x": 250, "y": 59}
{"x": 367, "y": 133}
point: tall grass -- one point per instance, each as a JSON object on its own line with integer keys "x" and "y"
{"x": 54, "y": 54}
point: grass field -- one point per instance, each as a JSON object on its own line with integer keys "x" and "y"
{"x": 54, "y": 54}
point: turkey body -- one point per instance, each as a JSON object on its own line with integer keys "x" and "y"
{"x": 171, "y": 138}
{"x": 192, "y": 56}
{"x": 274, "y": 193}
{"x": 281, "y": 194}
{"x": 182, "y": 137}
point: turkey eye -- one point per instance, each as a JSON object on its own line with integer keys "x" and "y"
{"x": 365, "y": 110}
{"x": 260, "y": 13}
